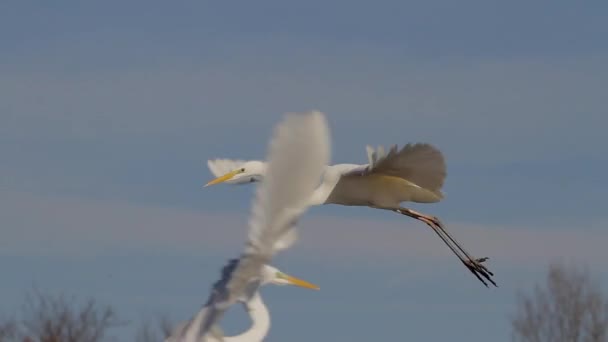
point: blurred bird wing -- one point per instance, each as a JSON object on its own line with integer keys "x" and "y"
{"x": 204, "y": 326}
{"x": 298, "y": 153}
{"x": 297, "y": 156}
{"x": 190, "y": 331}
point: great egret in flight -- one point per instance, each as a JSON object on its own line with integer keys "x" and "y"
{"x": 413, "y": 173}
{"x": 297, "y": 157}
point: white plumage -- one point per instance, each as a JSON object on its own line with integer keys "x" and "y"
{"x": 297, "y": 155}
{"x": 414, "y": 173}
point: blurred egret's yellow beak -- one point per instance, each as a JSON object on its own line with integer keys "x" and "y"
{"x": 224, "y": 177}
{"x": 299, "y": 282}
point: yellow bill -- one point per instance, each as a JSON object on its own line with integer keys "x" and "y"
{"x": 224, "y": 178}
{"x": 299, "y": 282}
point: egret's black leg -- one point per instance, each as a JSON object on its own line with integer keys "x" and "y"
{"x": 474, "y": 265}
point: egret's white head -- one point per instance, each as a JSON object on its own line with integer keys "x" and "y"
{"x": 271, "y": 275}
{"x": 236, "y": 172}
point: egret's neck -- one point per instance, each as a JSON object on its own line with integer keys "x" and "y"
{"x": 331, "y": 176}
{"x": 260, "y": 319}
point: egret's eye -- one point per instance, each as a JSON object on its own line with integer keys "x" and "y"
{"x": 243, "y": 170}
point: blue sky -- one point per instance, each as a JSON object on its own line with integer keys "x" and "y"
{"x": 109, "y": 111}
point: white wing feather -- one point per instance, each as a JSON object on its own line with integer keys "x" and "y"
{"x": 419, "y": 163}
{"x": 297, "y": 156}
{"x": 287, "y": 240}
{"x": 370, "y": 154}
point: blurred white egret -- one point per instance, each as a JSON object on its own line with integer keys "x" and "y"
{"x": 192, "y": 331}
{"x": 414, "y": 173}
{"x": 298, "y": 153}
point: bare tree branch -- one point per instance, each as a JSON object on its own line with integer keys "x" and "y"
{"x": 48, "y": 318}
{"x": 8, "y": 330}
{"x": 569, "y": 307}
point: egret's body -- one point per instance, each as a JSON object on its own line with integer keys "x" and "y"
{"x": 414, "y": 173}
{"x": 297, "y": 155}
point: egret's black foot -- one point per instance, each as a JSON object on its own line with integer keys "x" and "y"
{"x": 480, "y": 270}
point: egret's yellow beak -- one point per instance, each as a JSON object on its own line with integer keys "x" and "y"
{"x": 224, "y": 178}
{"x": 299, "y": 282}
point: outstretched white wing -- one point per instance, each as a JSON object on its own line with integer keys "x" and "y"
{"x": 298, "y": 153}
{"x": 420, "y": 163}
{"x": 419, "y": 168}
